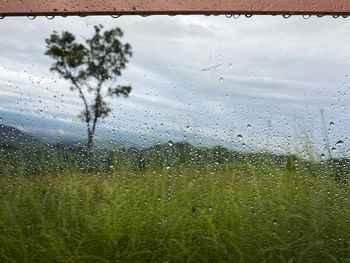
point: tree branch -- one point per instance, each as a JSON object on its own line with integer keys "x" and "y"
{"x": 81, "y": 94}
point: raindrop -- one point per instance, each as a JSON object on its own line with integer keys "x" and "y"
{"x": 115, "y": 16}
{"x": 336, "y": 16}
{"x": 347, "y": 76}
{"x": 221, "y": 80}
{"x": 170, "y": 143}
{"x": 236, "y": 16}
{"x": 2, "y": 17}
{"x": 339, "y": 143}
{"x": 286, "y": 16}
{"x": 50, "y": 17}
{"x": 240, "y": 136}
{"x": 331, "y": 124}
{"x": 228, "y": 16}
{"x": 248, "y": 16}
{"x": 334, "y": 150}
{"x": 249, "y": 126}
{"x": 306, "y": 16}
{"x": 31, "y": 17}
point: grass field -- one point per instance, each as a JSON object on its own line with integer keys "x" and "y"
{"x": 226, "y": 213}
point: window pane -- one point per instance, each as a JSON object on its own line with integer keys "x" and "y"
{"x": 172, "y": 139}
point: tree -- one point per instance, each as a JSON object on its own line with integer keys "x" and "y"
{"x": 91, "y": 67}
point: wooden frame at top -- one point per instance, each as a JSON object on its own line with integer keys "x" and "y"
{"x": 173, "y": 7}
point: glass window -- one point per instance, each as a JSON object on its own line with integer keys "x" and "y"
{"x": 173, "y": 139}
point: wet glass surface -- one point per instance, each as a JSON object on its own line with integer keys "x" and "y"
{"x": 184, "y": 138}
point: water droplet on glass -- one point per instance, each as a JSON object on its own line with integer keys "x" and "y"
{"x": 339, "y": 143}
{"x": 331, "y": 124}
{"x": 249, "y": 126}
{"x": 221, "y": 80}
{"x": 170, "y": 143}
{"x": 240, "y": 136}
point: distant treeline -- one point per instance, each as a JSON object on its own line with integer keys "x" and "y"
{"x": 44, "y": 159}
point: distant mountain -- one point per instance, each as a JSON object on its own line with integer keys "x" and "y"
{"x": 12, "y": 136}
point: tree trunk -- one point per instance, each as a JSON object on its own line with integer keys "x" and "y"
{"x": 89, "y": 150}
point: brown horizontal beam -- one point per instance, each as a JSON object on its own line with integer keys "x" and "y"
{"x": 172, "y": 7}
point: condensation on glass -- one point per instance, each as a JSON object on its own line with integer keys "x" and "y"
{"x": 174, "y": 139}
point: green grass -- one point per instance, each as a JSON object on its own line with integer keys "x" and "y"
{"x": 226, "y": 213}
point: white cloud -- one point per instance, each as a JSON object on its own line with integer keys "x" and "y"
{"x": 272, "y": 68}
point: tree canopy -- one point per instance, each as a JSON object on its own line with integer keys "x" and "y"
{"x": 92, "y": 67}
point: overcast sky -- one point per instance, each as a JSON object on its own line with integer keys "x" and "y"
{"x": 203, "y": 79}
